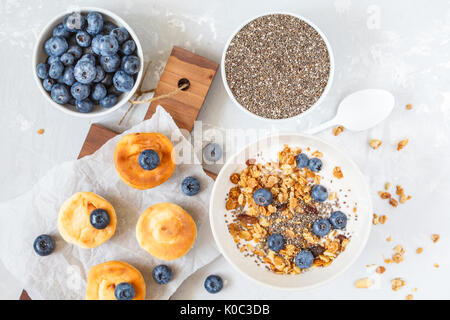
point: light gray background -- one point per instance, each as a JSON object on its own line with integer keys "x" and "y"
{"x": 402, "y": 46}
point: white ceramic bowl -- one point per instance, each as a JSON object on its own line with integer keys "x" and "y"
{"x": 40, "y": 56}
{"x": 325, "y": 91}
{"x": 267, "y": 149}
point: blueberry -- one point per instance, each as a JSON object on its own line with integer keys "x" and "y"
{"x": 84, "y": 106}
{"x": 56, "y": 70}
{"x": 107, "y": 80}
{"x": 110, "y": 63}
{"x": 212, "y": 152}
{"x": 48, "y": 84}
{"x": 85, "y": 71}
{"x": 42, "y": 70}
{"x": 321, "y": 227}
{"x": 75, "y": 50}
{"x": 83, "y": 39}
{"x": 148, "y": 159}
{"x": 74, "y": 22}
{"x": 276, "y": 242}
{"x": 98, "y": 92}
{"x": 100, "y": 75}
{"x": 60, "y": 94}
{"x": 94, "y": 23}
{"x": 108, "y": 45}
{"x": 89, "y": 57}
{"x": 109, "y": 101}
{"x": 319, "y": 193}
{"x": 128, "y": 47}
{"x": 68, "y": 77}
{"x": 121, "y": 34}
{"x": 213, "y": 284}
{"x": 60, "y": 31}
{"x": 99, "y": 218}
{"x": 315, "y": 164}
{"x": 108, "y": 26}
{"x": 44, "y": 245}
{"x": 80, "y": 91}
{"x": 95, "y": 44}
{"x": 190, "y": 186}
{"x": 162, "y": 274}
{"x": 302, "y": 160}
{"x": 263, "y": 197}
{"x": 130, "y": 64}
{"x": 304, "y": 259}
{"x": 52, "y": 59}
{"x": 124, "y": 291}
{"x": 338, "y": 219}
{"x": 123, "y": 81}
{"x": 56, "y": 46}
{"x": 67, "y": 59}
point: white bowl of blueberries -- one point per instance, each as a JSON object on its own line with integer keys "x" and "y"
{"x": 88, "y": 63}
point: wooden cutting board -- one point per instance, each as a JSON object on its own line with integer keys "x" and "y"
{"x": 183, "y": 107}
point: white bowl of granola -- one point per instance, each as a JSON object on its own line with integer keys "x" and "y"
{"x": 241, "y": 227}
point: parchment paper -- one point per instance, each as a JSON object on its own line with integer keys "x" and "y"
{"x": 62, "y": 275}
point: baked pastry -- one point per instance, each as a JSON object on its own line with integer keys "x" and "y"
{"x": 86, "y": 220}
{"x": 105, "y": 281}
{"x": 166, "y": 231}
{"x": 144, "y": 160}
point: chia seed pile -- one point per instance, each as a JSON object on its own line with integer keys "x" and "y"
{"x": 277, "y": 66}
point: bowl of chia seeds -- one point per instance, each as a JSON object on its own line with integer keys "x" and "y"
{"x": 277, "y": 66}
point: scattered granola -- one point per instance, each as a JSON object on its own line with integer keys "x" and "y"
{"x": 402, "y": 144}
{"x": 337, "y": 173}
{"x": 387, "y": 185}
{"x": 419, "y": 250}
{"x": 374, "y": 143}
{"x": 380, "y": 270}
{"x": 435, "y": 238}
{"x": 364, "y": 283}
{"x": 436, "y": 265}
{"x": 382, "y": 219}
{"x": 409, "y": 297}
{"x": 397, "y": 283}
{"x": 388, "y": 239}
{"x": 338, "y": 130}
{"x": 40, "y": 131}
{"x": 408, "y": 106}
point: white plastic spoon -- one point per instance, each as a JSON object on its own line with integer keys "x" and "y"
{"x": 360, "y": 110}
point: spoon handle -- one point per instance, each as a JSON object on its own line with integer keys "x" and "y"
{"x": 321, "y": 127}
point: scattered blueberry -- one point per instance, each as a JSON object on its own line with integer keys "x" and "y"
{"x": 60, "y": 31}
{"x": 108, "y": 45}
{"x": 263, "y": 197}
{"x": 56, "y": 70}
{"x": 42, "y": 70}
{"x": 56, "y": 46}
{"x": 124, "y": 291}
{"x": 109, "y": 101}
{"x": 67, "y": 59}
{"x": 148, "y": 159}
{"x": 128, "y": 47}
{"x": 338, "y": 219}
{"x": 162, "y": 274}
{"x": 74, "y": 22}
{"x": 98, "y": 92}
{"x": 130, "y": 64}
{"x": 123, "y": 81}
{"x": 319, "y": 193}
{"x": 80, "y": 91}
{"x": 304, "y": 259}
{"x": 75, "y": 50}
{"x": 213, "y": 284}
{"x": 108, "y": 26}
{"x": 83, "y": 39}
{"x": 84, "y": 106}
{"x": 276, "y": 242}
{"x": 315, "y": 164}
{"x": 44, "y": 245}
{"x": 48, "y": 84}
{"x": 302, "y": 160}
{"x": 121, "y": 34}
{"x": 99, "y": 218}
{"x": 95, "y": 44}
{"x": 68, "y": 77}
{"x": 190, "y": 186}
{"x": 321, "y": 227}
{"x": 60, "y": 94}
{"x": 52, "y": 59}
{"x": 110, "y": 63}
{"x": 99, "y": 75}
{"x": 212, "y": 152}
{"x": 85, "y": 71}
{"x": 94, "y": 23}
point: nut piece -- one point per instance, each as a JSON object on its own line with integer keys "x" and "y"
{"x": 337, "y": 172}
{"x": 247, "y": 219}
{"x": 382, "y": 219}
{"x": 435, "y": 238}
{"x": 338, "y": 130}
{"x": 397, "y": 283}
{"x": 364, "y": 283}
{"x": 374, "y": 143}
{"x": 402, "y": 144}
{"x": 393, "y": 202}
{"x": 380, "y": 269}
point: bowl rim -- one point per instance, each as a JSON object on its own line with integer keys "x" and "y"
{"x": 351, "y": 261}
{"x": 330, "y": 76}
{"x": 39, "y": 46}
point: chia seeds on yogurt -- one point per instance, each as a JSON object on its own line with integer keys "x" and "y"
{"x": 277, "y": 66}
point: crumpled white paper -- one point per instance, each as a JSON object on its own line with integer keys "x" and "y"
{"x": 63, "y": 274}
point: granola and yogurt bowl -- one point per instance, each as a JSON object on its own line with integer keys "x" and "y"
{"x": 290, "y": 211}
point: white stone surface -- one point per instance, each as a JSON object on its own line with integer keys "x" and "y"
{"x": 402, "y": 46}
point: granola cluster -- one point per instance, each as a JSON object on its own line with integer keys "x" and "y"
{"x": 291, "y": 214}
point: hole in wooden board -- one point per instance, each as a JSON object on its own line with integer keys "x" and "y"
{"x": 182, "y": 82}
